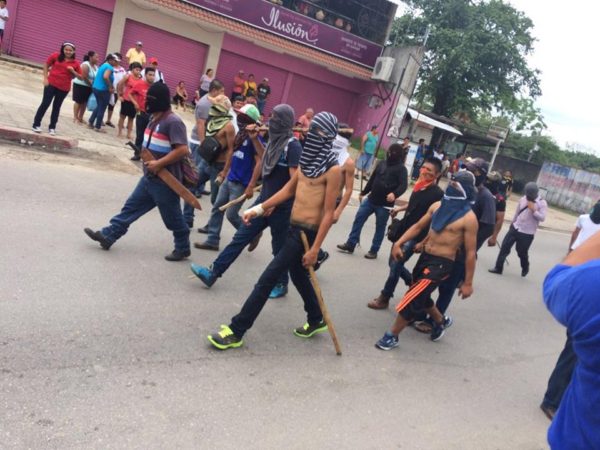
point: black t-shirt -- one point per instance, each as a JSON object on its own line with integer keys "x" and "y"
{"x": 263, "y": 91}
{"x": 485, "y": 206}
{"x": 281, "y": 172}
{"x": 418, "y": 205}
{"x": 505, "y": 186}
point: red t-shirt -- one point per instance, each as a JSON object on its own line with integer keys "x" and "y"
{"x": 238, "y": 84}
{"x": 59, "y": 75}
{"x": 138, "y": 90}
{"x": 131, "y": 80}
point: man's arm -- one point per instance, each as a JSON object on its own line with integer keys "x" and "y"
{"x": 413, "y": 232}
{"x": 285, "y": 193}
{"x": 470, "y": 239}
{"x": 587, "y": 251}
{"x": 574, "y": 236}
{"x": 106, "y": 78}
{"x": 348, "y": 187}
{"x": 369, "y": 184}
{"x": 402, "y": 184}
{"x": 539, "y": 211}
{"x": 258, "y": 155}
{"x": 229, "y": 138}
{"x": 172, "y": 157}
{"x": 333, "y": 179}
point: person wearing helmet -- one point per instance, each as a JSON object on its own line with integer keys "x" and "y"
{"x": 241, "y": 179}
{"x": 530, "y": 212}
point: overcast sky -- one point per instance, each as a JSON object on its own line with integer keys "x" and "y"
{"x": 566, "y": 52}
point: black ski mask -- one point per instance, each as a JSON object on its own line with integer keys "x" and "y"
{"x": 158, "y": 98}
{"x": 595, "y": 214}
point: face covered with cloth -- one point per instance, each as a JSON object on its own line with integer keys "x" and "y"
{"x": 456, "y": 203}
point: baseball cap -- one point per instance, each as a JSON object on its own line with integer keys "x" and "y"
{"x": 153, "y": 60}
{"x": 139, "y": 43}
{"x": 251, "y": 111}
{"x": 265, "y": 79}
{"x": 477, "y": 164}
{"x": 113, "y": 56}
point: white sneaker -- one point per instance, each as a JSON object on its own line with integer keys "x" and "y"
{"x": 36, "y": 129}
{"x": 52, "y": 132}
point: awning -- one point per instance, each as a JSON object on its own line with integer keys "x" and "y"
{"x": 420, "y": 117}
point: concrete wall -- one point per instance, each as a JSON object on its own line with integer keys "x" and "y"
{"x": 569, "y": 188}
{"x": 166, "y": 19}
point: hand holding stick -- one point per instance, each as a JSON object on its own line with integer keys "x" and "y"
{"x": 315, "y": 283}
{"x": 240, "y": 199}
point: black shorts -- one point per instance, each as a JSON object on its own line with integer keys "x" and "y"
{"x": 81, "y": 93}
{"x": 127, "y": 109}
{"x": 428, "y": 273}
{"x": 178, "y": 99}
{"x": 1, "y": 33}
{"x": 501, "y": 206}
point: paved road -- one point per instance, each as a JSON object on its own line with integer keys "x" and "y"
{"x": 107, "y": 349}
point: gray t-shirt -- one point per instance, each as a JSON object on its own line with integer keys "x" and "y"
{"x": 201, "y": 112}
{"x": 485, "y": 206}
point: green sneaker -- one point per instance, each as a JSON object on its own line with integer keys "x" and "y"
{"x": 307, "y": 331}
{"x": 225, "y": 339}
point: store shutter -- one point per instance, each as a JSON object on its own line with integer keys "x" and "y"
{"x": 230, "y": 64}
{"x": 307, "y": 93}
{"x": 41, "y": 26}
{"x": 179, "y": 58}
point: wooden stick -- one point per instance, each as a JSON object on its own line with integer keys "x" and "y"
{"x": 173, "y": 182}
{"x": 317, "y": 288}
{"x": 303, "y": 130}
{"x": 240, "y": 199}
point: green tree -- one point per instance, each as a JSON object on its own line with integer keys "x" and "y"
{"x": 476, "y": 59}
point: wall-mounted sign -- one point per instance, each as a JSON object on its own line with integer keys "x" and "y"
{"x": 296, "y": 27}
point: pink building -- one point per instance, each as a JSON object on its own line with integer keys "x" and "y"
{"x": 313, "y": 56}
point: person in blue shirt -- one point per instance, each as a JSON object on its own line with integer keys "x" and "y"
{"x": 244, "y": 172}
{"x": 367, "y": 152}
{"x": 102, "y": 87}
{"x": 571, "y": 295}
{"x": 280, "y": 161}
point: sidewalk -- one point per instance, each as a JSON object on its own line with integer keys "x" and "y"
{"x": 21, "y": 92}
{"x": 20, "y": 95}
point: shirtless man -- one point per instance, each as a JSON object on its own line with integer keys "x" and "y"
{"x": 453, "y": 224}
{"x": 315, "y": 187}
{"x": 346, "y": 163}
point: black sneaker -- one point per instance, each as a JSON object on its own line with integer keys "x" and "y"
{"x": 524, "y": 272}
{"x": 495, "y": 270}
{"x": 225, "y": 339}
{"x": 177, "y": 255}
{"x": 203, "y": 230}
{"x": 323, "y": 256}
{"x": 98, "y": 237}
{"x": 438, "y": 330}
{"x": 371, "y": 255}
{"x": 308, "y": 331}
{"x": 346, "y": 248}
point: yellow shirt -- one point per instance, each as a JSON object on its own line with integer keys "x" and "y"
{"x": 134, "y": 56}
{"x": 250, "y": 86}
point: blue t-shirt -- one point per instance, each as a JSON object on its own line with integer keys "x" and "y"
{"x": 281, "y": 172}
{"x": 370, "y": 143}
{"x": 99, "y": 81}
{"x": 571, "y": 295}
{"x": 168, "y": 133}
{"x": 242, "y": 163}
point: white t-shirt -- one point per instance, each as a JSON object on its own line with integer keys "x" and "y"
{"x": 158, "y": 76}
{"x": 587, "y": 229}
{"x": 3, "y": 13}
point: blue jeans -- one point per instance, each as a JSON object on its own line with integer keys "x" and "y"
{"x": 288, "y": 258}
{"x": 260, "y": 104}
{"x": 365, "y": 209}
{"x": 397, "y": 270}
{"x": 278, "y": 221}
{"x": 228, "y": 191}
{"x": 148, "y": 193}
{"x": 561, "y": 375}
{"x": 207, "y": 172}
{"x": 102, "y": 100}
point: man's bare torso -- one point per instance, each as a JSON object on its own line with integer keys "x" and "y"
{"x": 310, "y": 200}
{"x": 447, "y": 242}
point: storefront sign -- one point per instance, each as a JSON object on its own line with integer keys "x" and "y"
{"x": 291, "y": 25}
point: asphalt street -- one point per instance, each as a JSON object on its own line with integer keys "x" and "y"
{"x": 108, "y": 349}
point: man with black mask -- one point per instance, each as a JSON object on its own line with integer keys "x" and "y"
{"x": 166, "y": 138}
{"x": 530, "y": 212}
{"x": 388, "y": 182}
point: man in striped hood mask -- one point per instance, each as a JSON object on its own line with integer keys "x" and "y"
{"x": 314, "y": 188}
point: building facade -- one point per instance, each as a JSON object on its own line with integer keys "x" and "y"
{"x": 309, "y": 61}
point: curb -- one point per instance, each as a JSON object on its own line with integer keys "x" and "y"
{"x": 23, "y": 136}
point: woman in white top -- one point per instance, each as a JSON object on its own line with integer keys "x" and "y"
{"x": 82, "y": 89}
{"x": 587, "y": 225}
{"x": 205, "y": 82}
